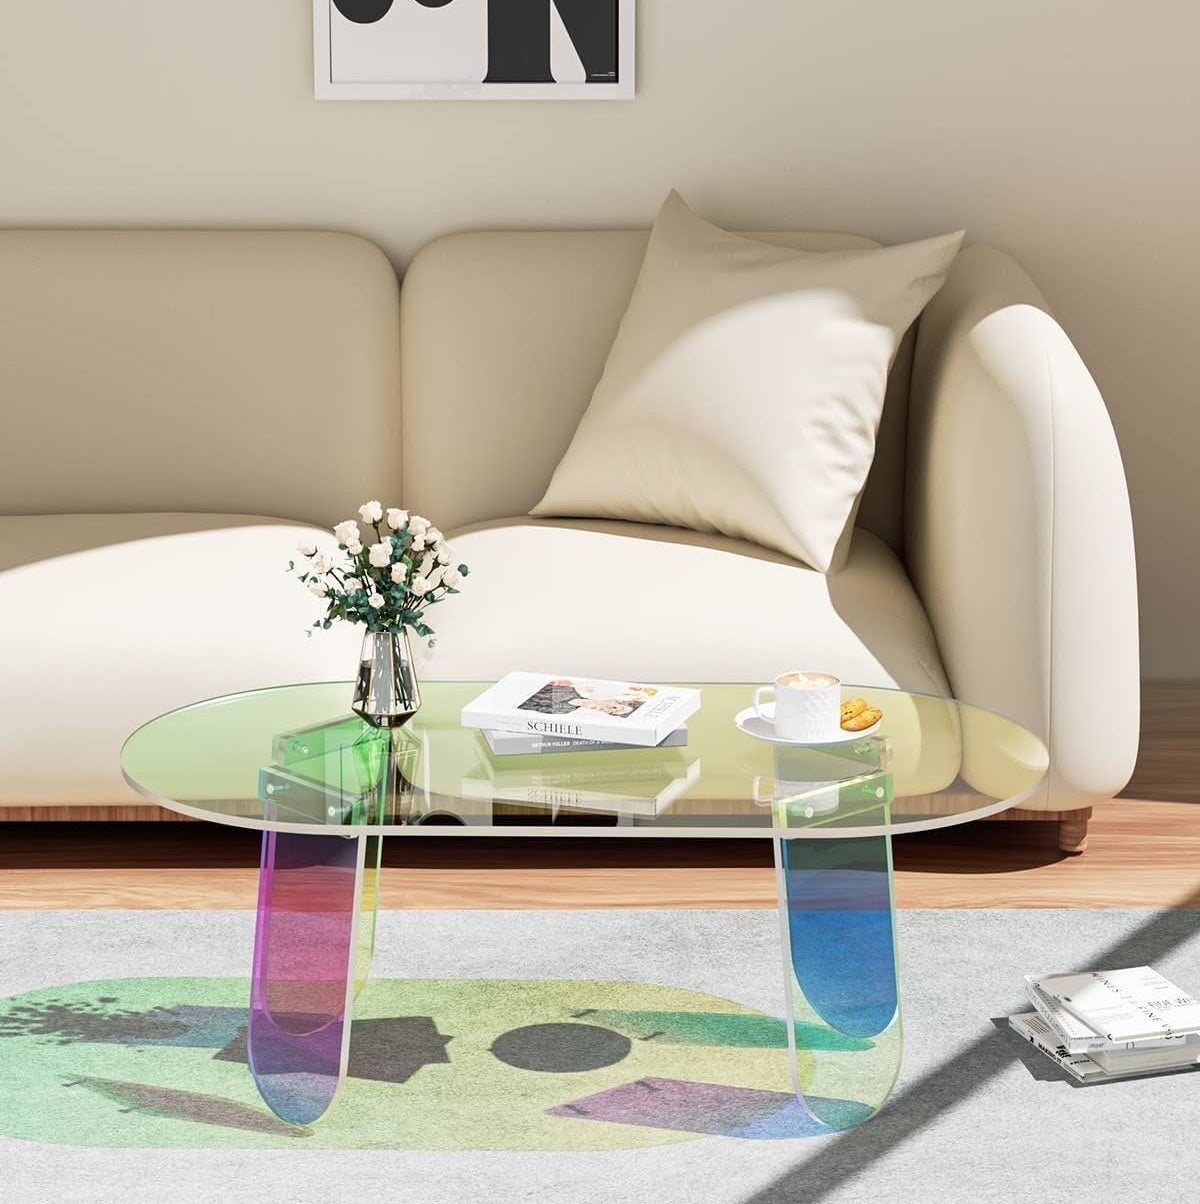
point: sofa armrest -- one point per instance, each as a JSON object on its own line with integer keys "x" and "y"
{"x": 1018, "y": 532}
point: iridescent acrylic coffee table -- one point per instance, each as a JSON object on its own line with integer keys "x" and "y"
{"x": 324, "y": 788}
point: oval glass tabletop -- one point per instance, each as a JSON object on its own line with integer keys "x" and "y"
{"x": 293, "y": 758}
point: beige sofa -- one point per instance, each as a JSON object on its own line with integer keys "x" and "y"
{"x": 163, "y": 389}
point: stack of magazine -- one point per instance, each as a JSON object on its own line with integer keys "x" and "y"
{"x": 1112, "y": 1024}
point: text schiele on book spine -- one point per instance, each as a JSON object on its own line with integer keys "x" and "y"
{"x": 581, "y": 708}
{"x": 506, "y": 744}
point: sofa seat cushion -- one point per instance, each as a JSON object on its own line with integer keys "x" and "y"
{"x": 654, "y": 603}
{"x": 110, "y": 620}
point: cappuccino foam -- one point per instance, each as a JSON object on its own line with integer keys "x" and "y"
{"x": 802, "y": 680}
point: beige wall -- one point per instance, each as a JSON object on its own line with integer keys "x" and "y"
{"x": 1064, "y": 131}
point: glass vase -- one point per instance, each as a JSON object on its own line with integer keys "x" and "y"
{"x": 385, "y": 690}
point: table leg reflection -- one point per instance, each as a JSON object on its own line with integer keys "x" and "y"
{"x": 311, "y": 953}
{"x": 838, "y": 920}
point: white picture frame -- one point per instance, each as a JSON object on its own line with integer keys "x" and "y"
{"x": 378, "y": 59}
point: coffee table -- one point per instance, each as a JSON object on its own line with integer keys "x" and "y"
{"x": 325, "y": 789}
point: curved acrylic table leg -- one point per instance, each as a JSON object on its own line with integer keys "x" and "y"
{"x": 368, "y": 910}
{"x": 307, "y": 956}
{"x": 836, "y": 907}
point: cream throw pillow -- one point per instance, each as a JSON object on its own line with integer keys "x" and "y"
{"x": 745, "y": 386}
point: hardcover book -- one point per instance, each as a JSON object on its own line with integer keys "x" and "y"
{"x": 1125, "y": 1005}
{"x": 1120, "y": 1062}
{"x": 520, "y": 744}
{"x": 581, "y": 708}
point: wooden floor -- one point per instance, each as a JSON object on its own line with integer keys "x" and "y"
{"x": 1140, "y": 854}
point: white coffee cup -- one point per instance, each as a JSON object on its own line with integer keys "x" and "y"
{"x": 808, "y": 705}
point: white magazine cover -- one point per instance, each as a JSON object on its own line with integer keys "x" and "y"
{"x": 1127, "y": 1004}
{"x": 1078, "y": 1037}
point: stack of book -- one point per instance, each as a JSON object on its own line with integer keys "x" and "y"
{"x": 528, "y": 713}
{"x": 525, "y": 715}
{"x": 1112, "y": 1024}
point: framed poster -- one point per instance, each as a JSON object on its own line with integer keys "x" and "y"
{"x": 473, "y": 49}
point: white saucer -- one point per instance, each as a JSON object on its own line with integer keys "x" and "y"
{"x": 764, "y": 729}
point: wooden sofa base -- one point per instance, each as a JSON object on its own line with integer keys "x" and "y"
{"x": 134, "y": 813}
{"x": 1072, "y": 825}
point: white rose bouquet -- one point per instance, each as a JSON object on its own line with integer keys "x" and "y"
{"x": 386, "y": 584}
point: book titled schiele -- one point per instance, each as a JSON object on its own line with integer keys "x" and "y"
{"x": 520, "y": 744}
{"x": 581, "y": 708}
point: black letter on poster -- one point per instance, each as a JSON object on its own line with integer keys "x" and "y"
{"x": 363, "y": 12}
{"x": 519, "y": 39}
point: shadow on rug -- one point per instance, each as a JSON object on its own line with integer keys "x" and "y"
{"x": 450, "y": 1064}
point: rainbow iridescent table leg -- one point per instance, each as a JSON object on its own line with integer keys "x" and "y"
{"x": 309, "y": 957}
{"x": 836, "y": 908}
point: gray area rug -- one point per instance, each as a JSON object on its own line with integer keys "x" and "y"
{"x": 976, "y": 1116}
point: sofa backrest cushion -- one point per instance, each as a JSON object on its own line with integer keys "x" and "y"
{"x": 222, "y": 371}
{"x": 503, "y": 338}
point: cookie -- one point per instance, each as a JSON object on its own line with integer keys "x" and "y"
{"x": 863, "y": 720}
{"x": 852, "y": 707}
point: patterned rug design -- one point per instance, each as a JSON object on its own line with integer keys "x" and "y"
{"x": 435, "y": 1064}
{"x": 105, "y": 1047}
